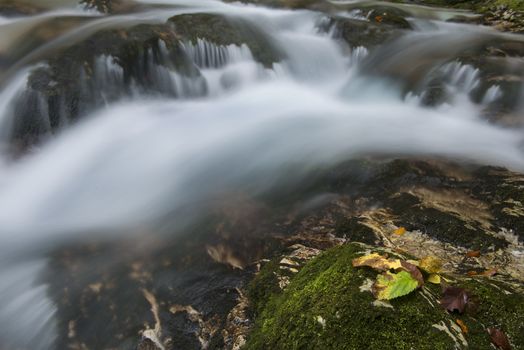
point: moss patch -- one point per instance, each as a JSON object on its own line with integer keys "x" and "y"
{"x": 477, "y": 5}
{"x": 324, "y": 308}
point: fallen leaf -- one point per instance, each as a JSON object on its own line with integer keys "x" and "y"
{"x": 490, "y": 272}
{"x": 430, "y": 264}
{"x": 414, "y": 272}
{"x": 473, "y": 254}
{"x": 378, "y": 19}
{"x": 462, "y": 326}
{"x": 393, "y": 285}
{"x": 454, "y": 298}
{"x": 401, "y": 230}
{"x": 377, "y": 261}
{"x": 434, "y": 278}
{"x": 499, "y": 338}
{"x": 472, "y": 273}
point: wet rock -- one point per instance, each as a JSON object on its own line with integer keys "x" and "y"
{"x": 9, "y": 8}
{"x": 223, "y": 31}
{"x": 327, "y": 305}
{"x": 370, "y": 27}
{"x": 147, "y": 344}
{"x": 99, "y": 70}
{"x": 301, "y": 283}
{"x": 112, "y": 64}
{"x": 505, "y": 19}
{"x": 111, "y": 6}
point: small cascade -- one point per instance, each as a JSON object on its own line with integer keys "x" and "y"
{"x": 208, "y": 55}
{"x": 10, "y": 93}
{"x": 454, "y": 81}
{"x": 462, "y": 77}
{"x": 357, "y": 55}
{"x": 492, "y": 94}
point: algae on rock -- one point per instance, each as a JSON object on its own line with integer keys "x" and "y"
{"x": 328, "y": 306}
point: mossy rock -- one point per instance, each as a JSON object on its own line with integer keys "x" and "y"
{"x": 476, "y": 5}
{"x": 226, "y": 31}
{"x": 58, "y": 91}
{"x": 324, "y": 307}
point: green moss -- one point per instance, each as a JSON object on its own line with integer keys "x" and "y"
{"x": 329, "y": 287}
{"x": 493, "y": 307}
{"x": 324, "y": 308}
{"x": 477, "y": 5}
{"x": 354, "y": 230}
{"x": 263, "y": 286}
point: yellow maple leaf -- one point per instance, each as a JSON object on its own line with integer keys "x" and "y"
{"x": 434, "y": 278}
{"x": 430, "y": 264}
{"x": 377, "y": 261}
{"x": 400, "y": 231}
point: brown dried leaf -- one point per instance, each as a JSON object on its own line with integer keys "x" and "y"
{"x": 490, "y": 272}
{"x": 454, "y": 298}
{"x": 499, "y": 338}
{"x": 473, "y": 254}
{"x": 462, "y": 326}
{"x": 414, "y": 272}
{"x": 377, "y": 261}
{"x": 431, "y": 264}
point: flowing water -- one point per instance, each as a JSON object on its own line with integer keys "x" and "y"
{"x": 152, "y": 157}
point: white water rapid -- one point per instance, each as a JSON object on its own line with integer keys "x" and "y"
{"x": 237, "y": 125}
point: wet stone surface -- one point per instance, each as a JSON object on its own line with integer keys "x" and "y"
{"x": 204, "y": 290}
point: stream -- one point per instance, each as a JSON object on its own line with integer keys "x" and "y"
{"x": 133, "y": 154}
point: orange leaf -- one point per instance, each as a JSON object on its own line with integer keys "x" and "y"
{"x": 473, "y": 254}
{"x": 378, "y": 19}
{"x": 490, "y": 272}
{"x": 463, "y": 326}
{"x": 400, "y": 231}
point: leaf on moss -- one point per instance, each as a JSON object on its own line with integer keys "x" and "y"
{"x": 490, "y": 272}
{"x": 400, "y": 231}
{"x": 377, "y": 261}
{"x": 499, "y": 338}
{"x": 414, "y": 272}
{"x": 462, "y": 326}
{"x": 430, "y": 264}
{"x": 393, "y": 285}
{"x": 473, "y": 254}
{"x": 454, "y": 298}
{"x": 434, "y": 278}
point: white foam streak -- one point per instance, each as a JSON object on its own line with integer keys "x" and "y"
{"x": 95, "y": 176}
{"x": 7, "y": 97}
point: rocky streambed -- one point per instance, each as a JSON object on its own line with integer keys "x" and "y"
{"x": 268, "y": 262}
